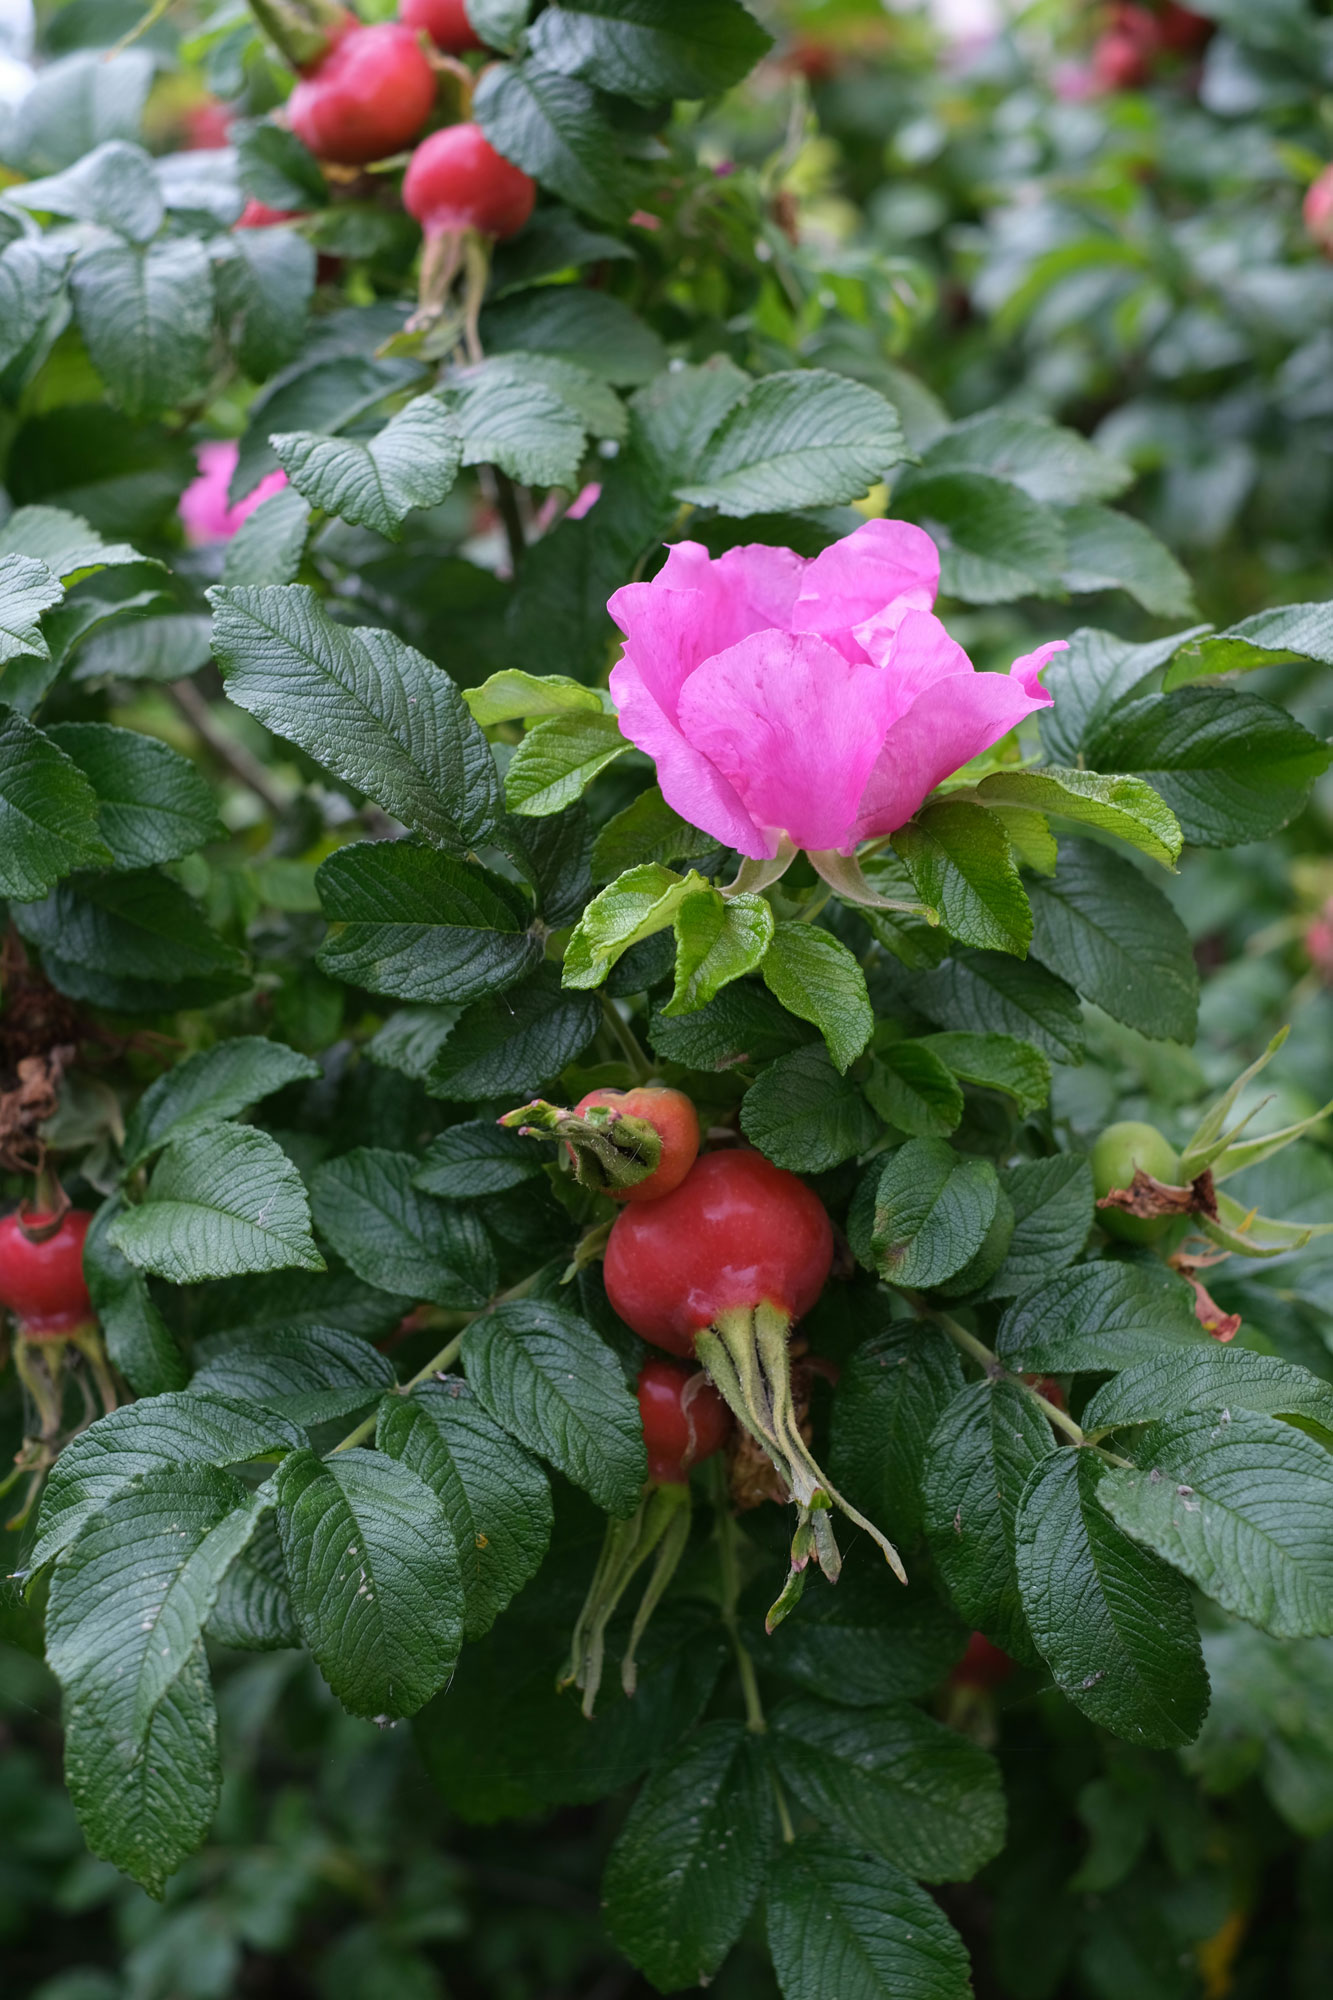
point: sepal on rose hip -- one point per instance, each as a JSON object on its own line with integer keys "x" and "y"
{"x": 660, "y": 1524}
{"x": 611, "y": 1149}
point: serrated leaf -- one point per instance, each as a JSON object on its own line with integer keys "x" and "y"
{"x": 497, "y": 1498}
{"x": 420, "y": 925}
{"x": 1114, "y": 937}
{"x": 328, "y": 390}
{"x": 978, "y": 1459}
{"x": 48, "y": 811}
{"x": 1112, "y": 1622}
{"x": 986, "y": 992}
{"x": 132, "y": 941}
{"x": 475, "y": 1159}
{"x": 27, "y": 588}
{"x": 799, "y": 438}
{"x": 552, "y": 126}
{"x": 1092, "y": 678}
{"x": 1052, "y": 1204}
{"x": 253, "y": 1608}
{"x": 1048, "y": 461}
{"x": 996, "y": 1062}
{"x": 689, "y": 1861}
{"x": 269, "y": 544}
{"x": 124, "y": 1632}
{"x": 367, "y": 707}
{"x": 804, "y": 1116}
{"x": 374, "y": 1577}
{"x": 146, "y": 316}
{"x": 552, "y": 1383}
{"x": 114, "y": 185}
{"x": 276, "y": 168}
{"x": 996, "y": 543}
{"x": 1210, "y": 1378}
{"x": 1232, "y": 766}
{"x": 651, "y": 49}
{"x": 931, "y": 1213}
{"x": 209, "y": 1087}
{"x": 638, "y": 904}
{"x": 397, "y": 1238}
{"x": 646, "y": 830}
{"x": 893, "y": 1782}
{"x": 1106, "y": 550}
{"x": 138, "y": 1340}
{"x": 889, "y": 1397}
{"x": 718, "y": 939}
{"x": 1287, "y": 632}
{"x": 307, "y": 1374}
{"x": 411, "y": 1039}
{"x": 32, "y": 286}
{"x": 913, "y": 1089}
{"x": 512, "y": 695}
{"x": 959, "y": 860}
{"x": 1125, "y": 806}
{"x": 557, "y": 761}
{"x": 743, "y": 1027}
{"x": 845, "y": 1922}
{"x": 411, "y": 463}
{"x": 77, "y": 102}
{"x": 870, "y": 1638}
{"x": 222, "y": 1199}
{"x": 516, "y": 1043}
{"x": 818, "y": 979}
{"x": 152, "y": 805}
{"x": 591, "y": 329}
{"x": 1243, "y": 1505}
{"x": 264, "y": 293}
{"x": 1098, "y": 1316}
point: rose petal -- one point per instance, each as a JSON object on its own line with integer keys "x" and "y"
{"x": 697, "y": 606}
{"x": 689, "y": 783}
{"x": 914, "y": 648}
{"x": 794, "y": 727}
{"x": 859, "y": 576}
{"x": 948, "y": 725}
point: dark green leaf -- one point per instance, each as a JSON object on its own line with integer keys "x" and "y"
{"x": 1092, "y": 679}
{"x": 996, "y": 543}
{"x": 651, "y": 49}
{"x": 276, "y": 168}
{"x": 421, "y": 925}
{"x": 591, "y": 329}
{"x": 843, "y": 1922}
{"x": 1047, "y": 461}
{"x": 133, "y": 941}
{"x": 114, "y": 186}
{"x": 323, "y": 391}
{"x": 152, "y": 805}
{"x": 530, "y": 415}
{"x": 818, "y": 979}
{"x": 395, "y": 1237}
{"x": 1117, "y": 941}
{"x": 647, "y": 830}
{"x": 308, "y": 1374}
{"x": 996, "y": 1062}
{"x": 931, "y": 1213}
{"x": 137, "y": 1338}
{"x": 222, "y": 1199}
{"x": 1287, "y": 632}
{"x": 1112, "y": 1622}
{"x": 1096, "y": 1317}
{"x": 550, "y": 125}
{"x": 32, "y": 284}
{"x": 1210, "y": 1378}
{"x": 253, "y": 1609}
{"x": 374, "y": 1578}
{"x": 476, "y": 1159}
{"x": 800, "y": 438}
{"x": 805, "y": 1116}
{"x": 264, "y": 293}
{"x": 48, "y": 811}
{"x": 515, "y": 1044}
{"x": 146, "y": 316}
{"x": 959, "y": 859}
{"x": 867, "y": 1639}
{"x": 1106, "y": 549}
{"x": 912, "y": 1089}
{"x": 888, "y": 1400}
{"x": 1052, "y": 1203}
{"x": 268, "y": 545}
{"x": 982, "y": 992}
{"x": 411, "y": 463}
{"x": 209, "y": 1087}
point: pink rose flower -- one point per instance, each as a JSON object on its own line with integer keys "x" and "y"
{"x": 204, "y": 507}
{"x": 820, "y": 699}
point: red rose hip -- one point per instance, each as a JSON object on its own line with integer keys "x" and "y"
{"x": 41, "y": 1272}
{"x": 456, "y": 181}
{"x": 684, "y": 1420}
{"x": 676, "y": 1123}
{"x": 445, "y": 21}
{"x": 367, "y": 97}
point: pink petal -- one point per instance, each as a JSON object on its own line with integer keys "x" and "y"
{"x": 859, "y": 576}
{"x": 1027, "y": 670}
{"x": 689, "y": 783}
{"x": 914, "y": 648}
{"x": 950, "y": 723}
{"x": 697, "y": 606}
{"x": 203, "y": 506}
{"x": 795, "y": 729}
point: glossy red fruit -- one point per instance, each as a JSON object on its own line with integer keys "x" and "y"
{"x": 445, "y": 21}
{"x": 41, "y": 1274}
{"x": 258, "y": 215}
{"x": 684, "y": 1420}
{"x": 737, "y": 1232}
{"x": 368, "y": 97}
{"x": 982, "y": 1665}
{"x": 676, "y": 1123}
{"x": 456, "y": 180}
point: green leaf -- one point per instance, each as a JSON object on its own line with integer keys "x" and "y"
{"x": 253, "y": 1608}
{"x": 1052, "y": 1204}
{"x": 327, "y": 390}
{"x": 1096, "y": 1317}
{"x": 552, "y": 855}
{"x": 1287, "y": 632}
{"x": 818, "y": 979}
{"x": 512, "y": 695}
{"x": 641, "y": 902}
{"x": 689, "y": 1861}
{"x": 557, "y": 761}
{"x": 1107, "y": 550}
{"x": 168, "y": 648}
{"x": 27, "y": 588}
{"x": 276, "y": 168}
{"x": 137, "y": 1338}
{"x": 421, "y": 925}
{"x": 269, "y": 544}
{"x": 912, "y": 1089}
{"x": 152, "y": 805}
{"x": 32, "y": 286}
{"x": 1233, "y": 767}
{"x": 978, "y": 1459}
{"x": 211, "y": 1086}
{"x": 718, "y": 939}
{"x": 552, "y": 1383}
{"x": 264, "y": 293}
{"x": 986, "y": 992}
{"x": 124, "y": 1634}
{"x": 1118, "y": 942}
{"x": 374, "y": 1578}
{"x": 844, "y": 1922}
{"x": 365, "y": 706}
{"x": 499, "y": 23}
{"x": 1112, "y": 1622}
{"x": 996, "y": 544}
{"x": 1092, "y": 678}
{"x": 889, "y": 1397}
{"x": 1210, "y": 1378}
{"x": 76, "y": 103}
{"x": 1046, "y": 460}
{"x": 1127, "y": 807}
{"x": 308, "y": 1374}
{"x": 114, "y": 186}
{"x": 931, "y": 1213}
{"x": 511, "y": 1047}
{"x": 804, "y": 1116}
{"x": 551, "y": 125}
{"x": 651, "y": 49}
{"x": 397, "y": 1238}
{"x": 1243, "y": 1505}
{"x": 592, "y": 329}
{"x": 158, "y": 1434}
{"x": 411, "y": 1039}
{"x": 411, "y": 463}
{"x": 222, "y": 1199}
{"x": 744, "y": 1027}
{"x": 133, "y": 941}
{"x": 48, "y": 812}
{"x": 647, "y": 830}
{"x": 497, "y": 1498}
{"x": 895, "y": 1783}
{"x": 866, "y": 1638}
{"x": 799, "y": 438}
{"x": 146, "y": 316}
{"x": 959, "y": 860}
{"x": 475, "y": 1159}
{"x": 996, "y": 1062}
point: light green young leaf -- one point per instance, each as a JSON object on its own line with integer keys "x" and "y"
{"x": 557, "y": 761}
{"x": 996, "y": 1062}
{"x": 718, "y": 938}
{"x": 411, "y": 463}
{"x": 959, "y": 859}
{"x": 639, "y": 903}
{"x": 222, "y": 1199}
{"x": 513, "y": 694}
{"x": 818, "y": 979}
{"x": 1125, "y": 806}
